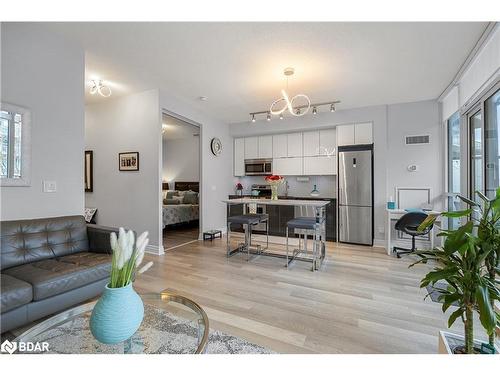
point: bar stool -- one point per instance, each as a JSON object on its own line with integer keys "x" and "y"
{"x": 307, "y": 224}
{"x": 248, "y": 221}
{"x": 263, "y": 218}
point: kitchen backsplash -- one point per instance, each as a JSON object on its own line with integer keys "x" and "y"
{"x": 327, "y": 185}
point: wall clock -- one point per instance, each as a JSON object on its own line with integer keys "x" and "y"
{"x": 216, "y": 146}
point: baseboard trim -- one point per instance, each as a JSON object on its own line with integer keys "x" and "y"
{"x": 154, "y": 249}
{"x": 379, "y": 243}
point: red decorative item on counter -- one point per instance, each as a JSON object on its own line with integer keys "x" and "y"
{"x": 274, "y": 181}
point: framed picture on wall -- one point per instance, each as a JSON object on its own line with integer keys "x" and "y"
{"x": 89, "y": 171}
{"x": 128, "y": 161}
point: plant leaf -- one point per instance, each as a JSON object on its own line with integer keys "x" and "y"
{"x": 486, "y": 313}
{"x": 468, "y": 201}
{"x": 454, "y": 316}
{"x": 454, "y": 214}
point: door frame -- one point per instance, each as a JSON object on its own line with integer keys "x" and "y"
{"x": 167, "y": 112}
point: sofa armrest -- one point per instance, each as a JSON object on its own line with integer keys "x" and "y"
{"x": 99, "y": 238}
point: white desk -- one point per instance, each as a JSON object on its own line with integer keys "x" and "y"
{"x": 396, "y": 214}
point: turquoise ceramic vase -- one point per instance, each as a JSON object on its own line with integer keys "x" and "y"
{"x": 117, "y": 315}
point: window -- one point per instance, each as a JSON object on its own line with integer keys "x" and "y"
{"x": 14, "y": 145}
{"x": 10, "y": 135}
{"x": 476, "y": 152}
{"x": 454, "y": 166}
{"x": 492, "y": 143}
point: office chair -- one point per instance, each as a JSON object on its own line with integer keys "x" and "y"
{"x": 409, "y": 223}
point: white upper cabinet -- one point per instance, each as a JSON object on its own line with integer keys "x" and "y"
{"x": 251, "y": 148}
{"x": 239, "y": 156}
{"x": 363, "y": 133}
{"x": 345, "y": 135}
{"x": 327, "y": 142}
{"x": 266, "y": 146}
{"x": 320, "y": 165}
{"x": 358, "y": 134}
{"x": 311, "y": 143}
{"x": 288, "y": 166}
{"x": 294, "y": 145}
{"x": 280, "y": 148}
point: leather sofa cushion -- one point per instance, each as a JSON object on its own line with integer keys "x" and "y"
{"x": 27, "y": 241}
{"x": 51, "y": 277}
{"x": 14, "y": 292}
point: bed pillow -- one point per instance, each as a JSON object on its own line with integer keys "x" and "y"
{"x": 171, "y": 201}
{"x": 170, "y": 194}
{"x": 190, "y": 197}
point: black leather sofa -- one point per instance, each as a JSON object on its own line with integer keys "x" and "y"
{"x": 48, "y": 265}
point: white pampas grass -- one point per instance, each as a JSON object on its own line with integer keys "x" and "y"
{"x": 142, "y": 242}
{"x": 146, "y": 267}
{"x": 127, "y": 256}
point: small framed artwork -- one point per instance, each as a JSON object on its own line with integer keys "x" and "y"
{"x": 89, "y": 171}
{"x": 128, "y": 161}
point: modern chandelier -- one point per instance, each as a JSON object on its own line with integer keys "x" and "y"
{"x": 99, "y": 87}
{"x": 279, "y": 106}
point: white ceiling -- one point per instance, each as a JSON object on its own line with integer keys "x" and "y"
{"x": 239, "y": 66}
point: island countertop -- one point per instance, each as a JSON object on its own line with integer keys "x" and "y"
{"x": 279, "y": 202}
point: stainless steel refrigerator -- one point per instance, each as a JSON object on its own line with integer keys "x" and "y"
{"x": 355, "y": 194}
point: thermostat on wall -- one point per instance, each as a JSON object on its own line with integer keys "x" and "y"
{"x": 413, "y": 168}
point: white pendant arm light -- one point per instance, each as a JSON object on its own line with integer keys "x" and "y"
{"x": 99, "y": 87}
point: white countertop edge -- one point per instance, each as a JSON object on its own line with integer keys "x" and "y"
{"x": 279, "y": 202}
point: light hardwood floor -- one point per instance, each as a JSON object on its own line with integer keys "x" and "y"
{"x": 362, "y": 301}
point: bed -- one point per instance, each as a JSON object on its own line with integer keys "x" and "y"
{"x": 181, "y": 212}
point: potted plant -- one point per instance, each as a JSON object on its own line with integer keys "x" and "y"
{"x": 274, "y": 181}
{"x": 468, "y": 263}
{"x": 119, "y": 312}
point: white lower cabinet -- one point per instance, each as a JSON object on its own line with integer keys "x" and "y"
{"x": 320, "y": 165}
{"x": 288, "y": 166}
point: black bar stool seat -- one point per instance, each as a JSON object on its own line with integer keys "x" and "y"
{"x": 250, "y": 219}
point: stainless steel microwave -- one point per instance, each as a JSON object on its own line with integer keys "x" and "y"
{"x": 258, "y": 167}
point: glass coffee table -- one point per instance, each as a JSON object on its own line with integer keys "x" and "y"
{"x": 172, "y": 324}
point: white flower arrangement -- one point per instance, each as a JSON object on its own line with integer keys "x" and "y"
{"x": 126, "y": 257}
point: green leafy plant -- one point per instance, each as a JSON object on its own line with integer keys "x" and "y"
{"x": 468, "y": 263}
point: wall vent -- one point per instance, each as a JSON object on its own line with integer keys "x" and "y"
{"x": 417, "y": 139}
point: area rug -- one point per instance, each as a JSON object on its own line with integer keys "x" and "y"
{"x": 160, "y": 332}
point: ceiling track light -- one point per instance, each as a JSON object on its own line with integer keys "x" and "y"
{"x": 297, "y": 111}
{"x": 100, "y": 88}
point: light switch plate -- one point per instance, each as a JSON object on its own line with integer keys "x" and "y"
{"x": 49, "y": 186}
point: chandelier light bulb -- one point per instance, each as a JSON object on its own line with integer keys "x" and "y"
{"x": 332, "y": 108}
{"x": 281, "y": 116}
{"x": 268, "y": 117}
{"x": 253, "y": 118}
{"x": 297, "y": 112}
{"x": 315, "y": 111}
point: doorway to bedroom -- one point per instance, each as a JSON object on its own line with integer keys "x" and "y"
{"x": 180, "y": 181}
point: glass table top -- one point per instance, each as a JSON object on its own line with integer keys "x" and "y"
{"x": 172, "y": 324}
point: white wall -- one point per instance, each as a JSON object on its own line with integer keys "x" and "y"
{"x": 391, "y": 157}
{"x": 181, "y": 159}
{"x": 43, "y": 72}
{"x": 420, "y": 118}
{"x": 128, "y": 199}
{"x": 482, "y": 70}
{"x": 216, "y": 171}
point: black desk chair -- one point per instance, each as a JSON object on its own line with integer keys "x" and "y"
{"x": 409, "y": 223}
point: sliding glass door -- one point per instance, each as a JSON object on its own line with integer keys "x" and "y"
{"x": 476, "y": 152}
{"x": 484, "y": 131}
{"x": 492, "y": 143}
{"x": 454, "y": 166}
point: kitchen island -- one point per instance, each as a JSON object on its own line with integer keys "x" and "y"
{"x": 319, "y": 208}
